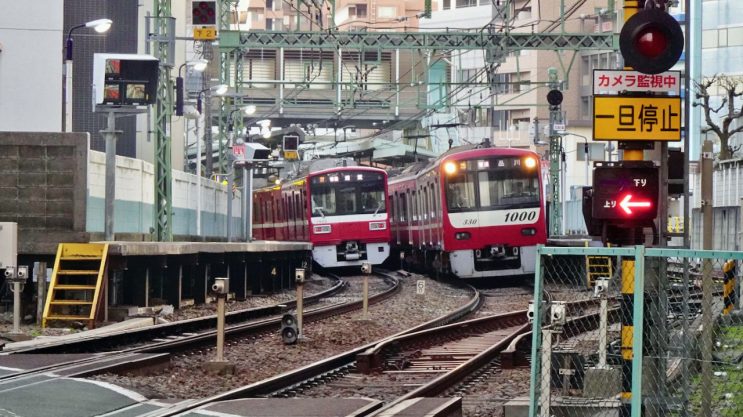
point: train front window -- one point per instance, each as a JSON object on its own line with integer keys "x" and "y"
{"x": 507, "y": 188}
{"x": 460, "y": 192}
{"x": 491, "y": 184}
{"x": 344, "y": 193}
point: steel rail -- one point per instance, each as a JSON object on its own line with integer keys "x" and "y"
{"x": 127, "y": 337}
{"x": 291, "y": 378}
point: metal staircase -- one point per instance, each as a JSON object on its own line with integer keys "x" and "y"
{"x": 77, "y": 283}
{"x": 598, "y": 267}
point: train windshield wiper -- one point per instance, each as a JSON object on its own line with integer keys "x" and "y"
{"x": 320, "y": 210}
{"x": 379, "y": 206}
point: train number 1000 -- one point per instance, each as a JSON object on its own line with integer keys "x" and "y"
{"x": 521, "y": 217}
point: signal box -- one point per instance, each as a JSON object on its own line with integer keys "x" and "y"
{"x": 625, "y": 192}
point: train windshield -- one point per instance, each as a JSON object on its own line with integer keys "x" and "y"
{"x": 490, "y": 184}
{"x": 348, "y": 192}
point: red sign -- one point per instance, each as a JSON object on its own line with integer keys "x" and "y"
{"x": 619, "y": 81}
{"x": 238, "y": 151}
{"x": 625, "y": 191}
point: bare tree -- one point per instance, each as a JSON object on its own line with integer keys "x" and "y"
{"x": 719, "y": 119}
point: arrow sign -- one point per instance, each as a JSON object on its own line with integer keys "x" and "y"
{"x": 626, "y": 204}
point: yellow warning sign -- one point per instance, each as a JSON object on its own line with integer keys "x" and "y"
{"x": 636, "y": 118}
{"x": 205, "y": 33}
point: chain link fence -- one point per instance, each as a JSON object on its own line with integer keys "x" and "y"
{"x": 597, "y": 309}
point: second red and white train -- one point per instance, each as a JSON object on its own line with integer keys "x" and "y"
{"x": 475, "y": 212}
{"x": 341, "y": 210}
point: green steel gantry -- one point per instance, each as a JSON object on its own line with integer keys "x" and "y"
{"x": 163, "y": 222}
{"x": 233, "y": 43}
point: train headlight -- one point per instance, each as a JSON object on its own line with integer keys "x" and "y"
{"x": 530, "y": 162}
{"x": 322, "y": 228}
{"x": 450, "y": 168}
{"x": 377, "y": 225}
{"x": 462, "y": 235}
{"x": 528, "y": 231}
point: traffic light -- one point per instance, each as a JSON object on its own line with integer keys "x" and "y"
{"x": 651, "y": 41}
{"x": 554, "y": 97}
{"x": 289, "y": 329}
{"x": 291, "y": 146}
{"x": 204, "y": 12}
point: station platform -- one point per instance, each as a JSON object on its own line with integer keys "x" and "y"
{"x": 145, "y": 274}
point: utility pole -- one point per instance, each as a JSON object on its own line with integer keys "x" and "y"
{"x": 554, "y": 97}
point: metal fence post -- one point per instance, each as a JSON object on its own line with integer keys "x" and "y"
{"x": 536, "y": 334}
{"x": 637, "y": 333}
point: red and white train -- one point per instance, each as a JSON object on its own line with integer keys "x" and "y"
{"x": 476, "y": 211}
{"x": 342, "y": 210}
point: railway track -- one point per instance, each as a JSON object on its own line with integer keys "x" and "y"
{"x": 179, "y": 329}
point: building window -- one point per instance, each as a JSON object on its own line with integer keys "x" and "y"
{"x": 447, "y": 4}
{"x": 357, "y": 11}
{"x": 585, "y": 108}
{"x": 387, "y": 12}
{"x": 466, "y": 3}
{"x": 596, "y": 151}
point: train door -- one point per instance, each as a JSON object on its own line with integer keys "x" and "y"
{"x": 290, "y": 216}
{"x": 415, "y": 229}
{"x": 256, "y": 219}
{"x": 409, "y": 216}
{"x": 399, "y": 219}
{"x": 426, "y": 219}
{"x": 437, "y": 211}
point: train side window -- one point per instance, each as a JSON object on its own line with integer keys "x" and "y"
{"x": 408, "y": 206}
{"x": 256, "y": 210}
{"x": 391, "y": 205}
{"x": 290, "y": 206}
{"x": 424, "y": 203}
{"x": 415, "y": 206}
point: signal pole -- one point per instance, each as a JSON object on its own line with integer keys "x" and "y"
{"x": 554, "y": 98}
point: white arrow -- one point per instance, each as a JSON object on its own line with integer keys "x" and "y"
{"x": 627, "y": 205}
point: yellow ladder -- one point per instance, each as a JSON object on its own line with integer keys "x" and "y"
{"x": 77, "y": 282}
{"x": 597, "y": 267}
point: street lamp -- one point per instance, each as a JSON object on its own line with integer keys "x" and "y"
{"x": 585, "y": 149}
{"x": 100, "y": 26}
{"x": 198, "y": 65}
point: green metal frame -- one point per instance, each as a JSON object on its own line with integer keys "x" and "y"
{"x": 640, "y": 254}
{"x": 536, "y": 336}
{"x": 163, "y": 114}
{"x": 417, "y": 40}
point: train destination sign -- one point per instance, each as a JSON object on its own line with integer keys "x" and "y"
{"x": 637, "y": 118}
{"x": 620, "y": 81}
{"x": 625, "y": 192}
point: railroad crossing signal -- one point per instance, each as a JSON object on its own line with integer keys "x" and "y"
{"x": 290, "y": 147}
{"x": 625, "y": 193}
{"x": 651, "y": 41}
{"x": 204, "y": 18}
{"x": 204, "y": 13}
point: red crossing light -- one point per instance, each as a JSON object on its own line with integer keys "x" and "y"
{"x": 651, "y": 41}
{"x": 625, "y": 192}
{"x": 204, "y": 12}
{"x": 627, "y": 204}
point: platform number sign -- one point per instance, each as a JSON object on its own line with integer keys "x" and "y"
{"x": 420, "y": 287}
{"x": 625, "y": 194}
